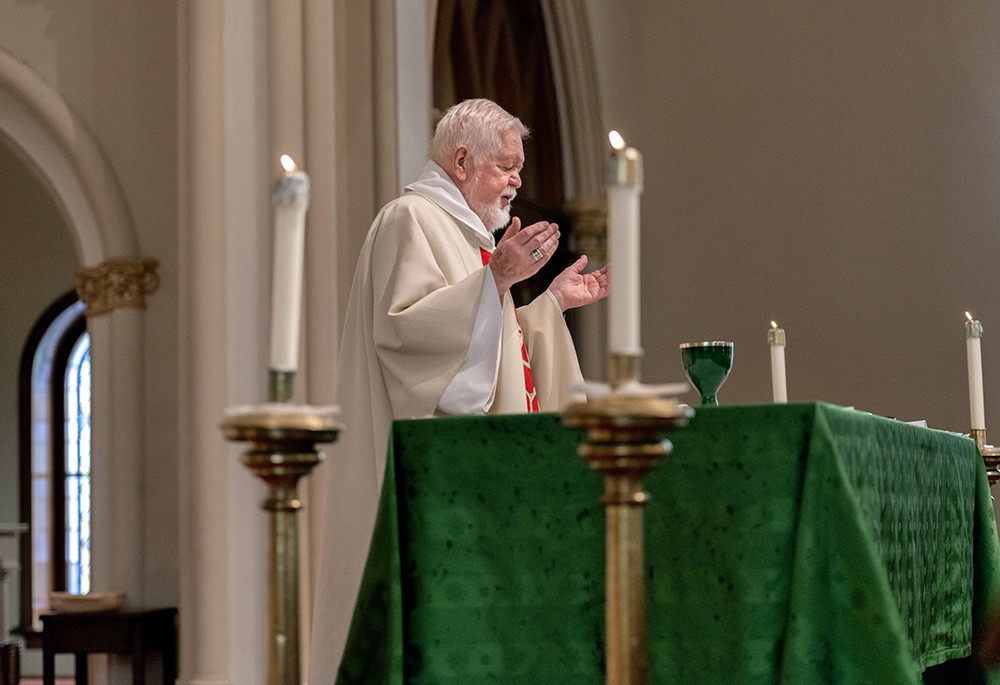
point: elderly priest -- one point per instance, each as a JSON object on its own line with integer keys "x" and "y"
{"x": 431, "y": 330}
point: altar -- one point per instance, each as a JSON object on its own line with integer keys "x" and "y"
{"x": 788, "y": 544}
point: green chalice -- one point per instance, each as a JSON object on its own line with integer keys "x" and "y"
{"x": 707, "y": 365}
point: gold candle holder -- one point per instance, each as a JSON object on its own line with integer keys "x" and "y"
{"x": 623, "y": 370}
{"x": 625, "y": 442}
{"x": 283, "y": 441}
{"x": 990, "y": 454}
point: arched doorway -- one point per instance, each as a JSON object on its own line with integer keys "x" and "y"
{"x": 59, "y": 151}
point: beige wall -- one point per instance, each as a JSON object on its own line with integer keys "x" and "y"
{"x": 833, "y": 167}
{"x": 37, "y": 265}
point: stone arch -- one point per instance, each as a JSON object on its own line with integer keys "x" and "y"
{"x": 585, "y": 150}
{"x": 56, "y": 144}
{"x": 41, "y": 126}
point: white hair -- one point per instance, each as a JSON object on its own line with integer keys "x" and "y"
{"x": 478, "y": 125}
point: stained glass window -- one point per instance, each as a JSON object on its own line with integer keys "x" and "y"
{"x": 78, "y": 467}
{"x": 56, "y": 458}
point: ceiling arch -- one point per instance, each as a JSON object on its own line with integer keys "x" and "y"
{"x": 58, "y": 146}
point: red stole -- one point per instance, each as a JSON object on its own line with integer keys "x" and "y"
{"x": 529, "y": 382}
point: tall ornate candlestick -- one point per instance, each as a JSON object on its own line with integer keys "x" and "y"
{"x": 283, "y": 441}
{"x": 624, "y": 442}
{"x": 625, "y": 428}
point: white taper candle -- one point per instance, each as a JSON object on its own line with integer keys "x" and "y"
{"x": 779, "y": 385}
{"x": 624, "y": 182}
{"x": 291, "y": 201}
{"x": 974, "y": 354}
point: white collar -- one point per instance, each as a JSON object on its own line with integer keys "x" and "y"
{"x": 435, "y": 185}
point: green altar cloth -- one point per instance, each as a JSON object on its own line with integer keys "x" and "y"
{"x": 789, "y": 544}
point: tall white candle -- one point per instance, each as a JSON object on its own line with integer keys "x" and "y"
{"x": 776, "y": 341}
{"x": 624, "y": 181}
{"x": 974, "y": 354}
{"x": 291, "y": 200}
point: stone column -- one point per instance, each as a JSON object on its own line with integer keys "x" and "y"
{"x": 204, "y": 587}
{"x": 585, "y": 146}
{"x": 115, "y": 295}
{"x": 321, "y": 313}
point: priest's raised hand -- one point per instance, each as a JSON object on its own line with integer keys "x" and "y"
{"x": 573, "y": 288}
{"x": 520, "y": 253}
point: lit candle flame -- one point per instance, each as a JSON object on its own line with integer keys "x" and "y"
{"x": 288, "y": 163}
{"x": 616, "y": 140}
{"x": 969, "y": 315}
{"x": 774, "y": 325}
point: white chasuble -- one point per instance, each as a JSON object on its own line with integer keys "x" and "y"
{"x": 418, "y": 318}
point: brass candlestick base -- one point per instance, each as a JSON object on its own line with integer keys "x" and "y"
{"x": 624, "y": 442}
{"x": 283, "y": 449}
{"x": 990, "y": 454}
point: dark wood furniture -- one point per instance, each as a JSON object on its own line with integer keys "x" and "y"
{"x": 136, "y": 633}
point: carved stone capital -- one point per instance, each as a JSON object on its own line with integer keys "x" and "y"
{"x": 590, "y": 227}
{"x": 115, "y": 283}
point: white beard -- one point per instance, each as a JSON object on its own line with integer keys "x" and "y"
{"x": 494, "y": 215}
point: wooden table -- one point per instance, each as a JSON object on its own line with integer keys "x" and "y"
{"x": 110, "y": 632}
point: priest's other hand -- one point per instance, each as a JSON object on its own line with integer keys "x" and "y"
{"x": 572, "y": 288}
{"x": 522, "y": 252}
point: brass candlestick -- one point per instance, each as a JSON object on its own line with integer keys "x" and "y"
{"x": 283, "y": 449}
{"x": 990, "y": 454}
{"x": 624, "y": 442}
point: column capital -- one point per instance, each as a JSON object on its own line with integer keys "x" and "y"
{"x": 117, "y": 282}
{"x": 590, "y": 227}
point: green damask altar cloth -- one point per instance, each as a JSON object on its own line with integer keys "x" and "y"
{"x": 788, "y": 544}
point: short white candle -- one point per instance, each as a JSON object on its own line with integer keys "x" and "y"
{"x": 624, "y": 182}
{"x": 974, "y": 354}
{"x": 291, "y": 200}
{"x": 779, "y": 386}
